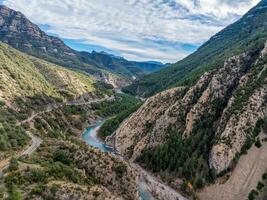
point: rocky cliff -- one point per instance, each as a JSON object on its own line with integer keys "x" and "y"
{"x": 225, "y": 104}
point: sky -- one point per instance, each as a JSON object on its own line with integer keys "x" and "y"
{"x": 142, "y": 30}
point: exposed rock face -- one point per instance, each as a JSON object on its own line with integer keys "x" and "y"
{"x": 216, "y": 97}
{"x": 18, "y": 31}
{"x": 134, "y": 132}
{"x": 219, "y": 87}
{"x": 115, "y": 80}
{"x": 237, "y": 128}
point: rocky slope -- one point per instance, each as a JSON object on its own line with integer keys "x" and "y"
{"x": 215, "y": 119}
{"x": 17, "y": 31}
{"x": 63, "y": 169}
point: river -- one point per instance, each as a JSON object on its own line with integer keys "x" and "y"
{"x": 90, "y": 137}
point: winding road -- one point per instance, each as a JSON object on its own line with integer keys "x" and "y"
{"x": 36, "y": 142}
{"x": 149, "y": 183}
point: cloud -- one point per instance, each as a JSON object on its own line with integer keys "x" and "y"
{"x": 136, "y": 29}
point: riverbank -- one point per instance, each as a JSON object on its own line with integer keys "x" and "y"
{"x": 156, "y": 187}
{"x": 150, "y": 187}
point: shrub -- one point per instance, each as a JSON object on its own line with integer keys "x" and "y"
{"x": 199, "y": 183}
{"x": 1, "y": 193}
{"x": 15, "y": 194}
{"x": 2, "y": 103}
{"x": 120, "y": 170}
{"x": 62, "y": 156}
{"x": 14, "y": 165}
{"x": 38, "y": 176}
{"x": 96, "y": 193}
{"x": 54, "y": 189}
{"x": 258, "y": 143}
{"x": 252, "y": 195}
{"x": 260, "y": 185}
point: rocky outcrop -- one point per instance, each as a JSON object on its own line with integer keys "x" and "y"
{"x": 133, "y": 134}
{"x": 220, "y": 87}
{"x": 216, "y": 99}
{"x": 17, "y": 31}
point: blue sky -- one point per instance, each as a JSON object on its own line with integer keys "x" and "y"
{"x": 160, "y": 30}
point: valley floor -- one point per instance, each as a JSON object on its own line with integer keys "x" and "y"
{"x": 158, "y": 189}
{"x": 243, "y": 179}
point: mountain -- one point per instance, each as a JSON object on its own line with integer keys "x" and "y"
{"x": 17, "y": 31}
{"x": 27, "y": 76}
{"x": 247, "y": 33}
{"x": 46, "y": 107}
{"x": 120, "y": 65}
{"x": 28, "y": 84}
{"x": 210, "y": 133}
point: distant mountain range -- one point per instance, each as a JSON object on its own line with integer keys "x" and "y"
{"x": 17, "y": 31}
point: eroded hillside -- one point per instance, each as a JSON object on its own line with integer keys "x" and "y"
{"x": 199, "y": 132}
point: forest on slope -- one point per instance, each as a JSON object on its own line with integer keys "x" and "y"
{"x": 248, "y": 33}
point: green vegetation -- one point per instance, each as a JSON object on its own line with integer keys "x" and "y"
{"x": 67, "y": 161}
{"x": 11, "y": 136}
{"x": 120, "y": 108}
{"x": 2, "y": 103}
{"x": 253, "y": 194}
{"x": 247, "y": 34}
{"x": 33, "y": 85}
{"x": 120, "y": 170}
{"x": 112, "y": 124}
{"x": 121, "y": 103}
{"x": 13, "y": 166}
{"x": 258, "y": 143}
{"x": 15, "y": 194}
{"x": 251, "y": 137}
{"x": 53, "y": 166}
{"x": 260, "y": 185}
{"x": 187, "y": 158}
{"x": 260, "y": 193}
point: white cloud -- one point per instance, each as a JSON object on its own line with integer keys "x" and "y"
{"x": 134, "y": 27}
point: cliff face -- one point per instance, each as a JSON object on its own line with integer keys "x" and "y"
{"x": 17, "y": 31}
{"x": 230, "y": 100}
{"x": 136, "y": 131}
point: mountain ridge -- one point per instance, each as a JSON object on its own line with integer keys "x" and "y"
{"x": 17, "y": 31}
{"x": 247, "y": 33}
{"x": 193, "y": 135}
